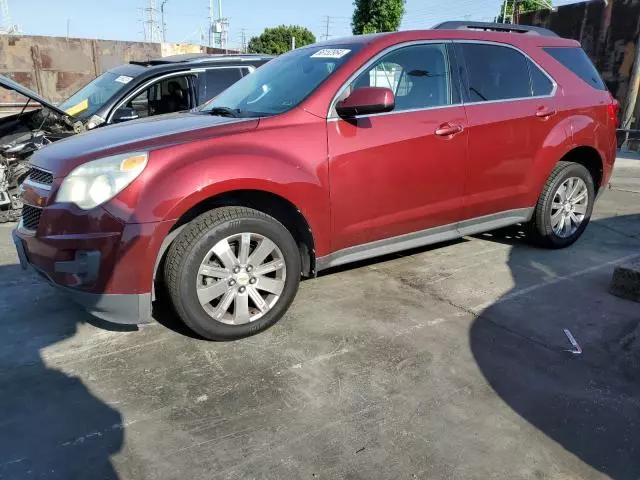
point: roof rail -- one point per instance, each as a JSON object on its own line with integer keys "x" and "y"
{"x": 496, "y": 27}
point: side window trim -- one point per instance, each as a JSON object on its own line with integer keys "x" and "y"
{"x": 138, "y": 90}
{"x": 333, "y": 116}
{"x": 465, "y": 97}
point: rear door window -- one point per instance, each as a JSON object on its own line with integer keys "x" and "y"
{"x": 214, "y": 81}
{"x": 495, "y": 73}
{"x": 576, "y": 60}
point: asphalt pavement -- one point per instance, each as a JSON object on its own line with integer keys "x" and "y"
{"x": 443, "y": 362}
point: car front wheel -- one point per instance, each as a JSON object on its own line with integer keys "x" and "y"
{"x": 232, "y": 272}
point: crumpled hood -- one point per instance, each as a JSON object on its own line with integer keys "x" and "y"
{"x": 145, "y": 134}
{"x": 15, "y": 86}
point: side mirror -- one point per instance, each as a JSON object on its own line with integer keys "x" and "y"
{"x": 125, "y": 113}
{"x": 365, "y": 101}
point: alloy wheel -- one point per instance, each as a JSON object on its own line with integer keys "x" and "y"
{"x": 241, "y": 278}
{"x": 569, "y": 207}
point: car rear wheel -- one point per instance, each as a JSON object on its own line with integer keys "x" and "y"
{"x": 564, "y": 208}
{"x": 232, "y": 272}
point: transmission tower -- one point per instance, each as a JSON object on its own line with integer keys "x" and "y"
{"x": 152, "y": 29}
{"x": 5, "y": 19}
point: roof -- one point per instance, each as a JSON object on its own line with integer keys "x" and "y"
{"x": 189, "y": 58}
{"x": 503, "y": 33}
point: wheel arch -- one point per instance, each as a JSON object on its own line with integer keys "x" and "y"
{"x": 264, "y": 201}
{"x": 590, "y": 158}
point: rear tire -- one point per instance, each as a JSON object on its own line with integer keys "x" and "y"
{"x": 564, "y": 208}
{"x": 213, "y": 283}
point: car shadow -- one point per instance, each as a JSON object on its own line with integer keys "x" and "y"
{"x": 51, "y": 425}
{"x": 588, "y": 403}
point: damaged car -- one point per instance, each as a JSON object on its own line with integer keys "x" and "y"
{"x": 127, "y": 92}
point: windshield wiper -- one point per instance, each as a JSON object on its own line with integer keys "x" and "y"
{"x": 225, "y": 112}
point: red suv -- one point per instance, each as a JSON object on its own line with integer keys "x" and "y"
{"x": 332, "y": 153}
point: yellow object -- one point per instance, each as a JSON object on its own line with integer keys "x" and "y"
{"x": 80, "y": 107}
{"x": 133, "y": 163}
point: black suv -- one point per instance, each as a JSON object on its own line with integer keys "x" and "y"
{"x": 130, "y": 91}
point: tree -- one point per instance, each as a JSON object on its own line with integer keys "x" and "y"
{"x": 525, "y": 6}
{"x": 277, "y": 40}
{"x": 373, "y": 16}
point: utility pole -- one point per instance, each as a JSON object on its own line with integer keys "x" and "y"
{"x": 243, "y": 41}
{"x": 68, "y": 27}
{"x": 632, "y": 92}
{"x": 164, "y": 25}
{"x": 223, "y": 28}
{"x": 211, "y": 23}
{"x": 328, "y": 21}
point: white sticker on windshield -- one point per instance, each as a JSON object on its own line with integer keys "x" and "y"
{"x": 331, "y": 53}
{"x": 124, "y": 79}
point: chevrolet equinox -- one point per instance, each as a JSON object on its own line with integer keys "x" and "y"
{"x": 329, "y": 154}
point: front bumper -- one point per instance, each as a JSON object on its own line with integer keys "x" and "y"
{"x": 85, "y": 269}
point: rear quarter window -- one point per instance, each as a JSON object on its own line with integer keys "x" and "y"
{"x": 576, "y": 60}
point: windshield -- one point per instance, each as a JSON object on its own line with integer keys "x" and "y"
{"x": 282, "y": 83}
{"x": 86, "y": 101}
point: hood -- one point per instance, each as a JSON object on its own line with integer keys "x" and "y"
{"x": 15, "y": 86}
{"x": 146, "y": 134}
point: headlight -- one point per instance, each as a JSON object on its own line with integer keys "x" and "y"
{"x": 96, "y": 182}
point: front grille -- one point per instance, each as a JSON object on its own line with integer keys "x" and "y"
{"x": 40, "y": 176}
{"x": 30, "y": 217}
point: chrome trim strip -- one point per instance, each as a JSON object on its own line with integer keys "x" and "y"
{"x": 41, "y": 186}
{"x": 332, "y": 116}
{"x": 424, "y": 237}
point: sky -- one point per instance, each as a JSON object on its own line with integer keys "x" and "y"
{"x": 186, "y": 19}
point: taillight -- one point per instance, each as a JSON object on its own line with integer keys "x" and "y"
{"x": 613, "y": 109}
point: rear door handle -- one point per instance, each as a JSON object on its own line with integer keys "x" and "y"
{"x": 448, "y": 130}
{"x": 544, "y": 112}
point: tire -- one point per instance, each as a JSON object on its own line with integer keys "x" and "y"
{"x": 191, "y": 258}
{"x": 562, "y": 178}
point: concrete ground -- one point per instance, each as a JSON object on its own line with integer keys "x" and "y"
{"x": 445, "y": 362}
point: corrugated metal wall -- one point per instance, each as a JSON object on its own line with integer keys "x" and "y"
{"x": 56, "y": 67}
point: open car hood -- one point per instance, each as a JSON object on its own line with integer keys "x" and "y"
{"x": 11, "y": 85}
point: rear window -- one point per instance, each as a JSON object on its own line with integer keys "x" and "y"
{"x": 576, "y": 60}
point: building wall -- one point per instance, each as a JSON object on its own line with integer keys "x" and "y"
{"x": 56, "y": 67}
{"x": 609, "y": 34}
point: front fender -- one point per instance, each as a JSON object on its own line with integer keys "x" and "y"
{"x": 179, "y": 177}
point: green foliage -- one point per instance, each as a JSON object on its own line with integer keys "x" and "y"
{"x": 277, "y": 40}
{"x": 525, "y": 6}
{"x": 374, "y": 16}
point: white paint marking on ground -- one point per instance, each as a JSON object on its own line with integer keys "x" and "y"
{"x": 321, "y": 358}
{"x": 553, "y": 281}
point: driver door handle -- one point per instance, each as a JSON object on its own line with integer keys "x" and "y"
{"x": 448, "y": 130}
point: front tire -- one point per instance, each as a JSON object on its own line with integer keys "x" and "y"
{"x": 564, "y": 208}
{"x": 232, "y": 272}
